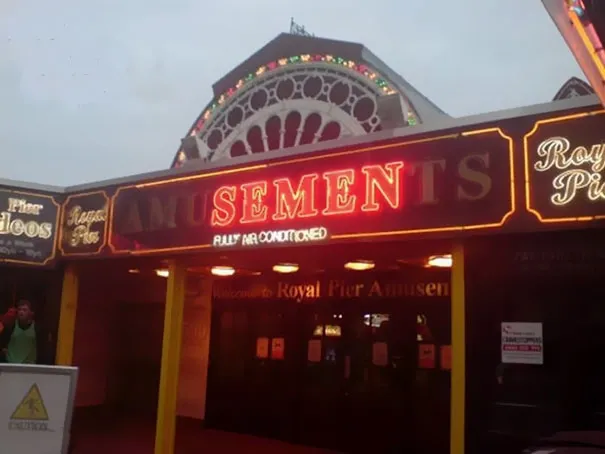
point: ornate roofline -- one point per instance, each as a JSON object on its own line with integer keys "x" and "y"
{"x": 214, "y": 106}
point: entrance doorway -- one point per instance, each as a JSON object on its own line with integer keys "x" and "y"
{"x": 361, "y": 373}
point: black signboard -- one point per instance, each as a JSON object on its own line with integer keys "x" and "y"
{"x": 84, "y": 224}
{"x": 28, "y": 227}
{"x": 565, "y": 166}
{"x": 450, "y": 183}
{"x": 421, "y": 283}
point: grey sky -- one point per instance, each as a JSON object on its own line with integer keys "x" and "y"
{"x": 96, "y": 90}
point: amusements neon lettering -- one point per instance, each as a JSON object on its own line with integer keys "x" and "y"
{"x": 579, "y": 170}
{"x": 247, "y": 204}
{"x": 10, "y": 224}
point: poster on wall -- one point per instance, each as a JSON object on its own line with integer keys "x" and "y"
{"x": 426, "y": 356}
{"x": 277, "y": 348}
{"x": 445, "y": 357}
{"x": 380, "y": 354}
{"x": 262, "y": 347}
{"x": 314, "y": 351}
{"x": 522, "y": 343}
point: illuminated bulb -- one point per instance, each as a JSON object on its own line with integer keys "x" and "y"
{"x": 360, "y": 265}
{"x": 134, "y": 271}
{"x": 162, "y": 273}
{"x": 440, "y": 261}
{"x": 222, "y": 271}
{"x": 285, "y": 268}
{"x": 293, "y": 61}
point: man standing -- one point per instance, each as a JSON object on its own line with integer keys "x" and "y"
{"x": 19, "y": 338}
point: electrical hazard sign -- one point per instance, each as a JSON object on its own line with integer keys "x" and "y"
{"x": 31, "y": 407}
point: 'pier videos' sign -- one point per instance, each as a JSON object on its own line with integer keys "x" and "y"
{"x": 28, "y": 224}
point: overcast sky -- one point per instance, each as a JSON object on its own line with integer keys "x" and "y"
{"x": 96, "y": 90}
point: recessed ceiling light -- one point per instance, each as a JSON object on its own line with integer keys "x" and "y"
{"x": 162, "y": 273}
{"x": 360, "y": 265}
{"x": 440, "y": 261}
{"x": 285, "y": 268}
{"x": 134, "y": 271}
{"x": 222, "y": 271}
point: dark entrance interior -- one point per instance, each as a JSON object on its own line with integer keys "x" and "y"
{"x": 355, "y": 374}
{"x": 42, "y": 287}
{"x": 118, "y": 348}
{"x": 554, "y": 279}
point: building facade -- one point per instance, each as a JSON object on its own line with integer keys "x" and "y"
{"x": 330, "y": 253}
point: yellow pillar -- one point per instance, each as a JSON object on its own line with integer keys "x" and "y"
{"x": 458, "y": 373}
{"x": 67, "y": 316}
{"x": 171, "y": 358}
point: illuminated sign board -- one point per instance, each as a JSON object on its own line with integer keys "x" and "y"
{"x": 84, "y": 224}
{"x": 430, "y": 285}
{"x": 271, "y": 237}
{"x": 452, "y": 183}
{"x": 564, "y": 166}
{"x": 28, "y": 225}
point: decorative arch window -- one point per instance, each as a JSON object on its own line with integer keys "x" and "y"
{"x": 291, "y": 102}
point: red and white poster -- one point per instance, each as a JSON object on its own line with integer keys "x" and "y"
{"x": 262, "y": 347}
{"x": 522, "y": 343}
{"x": 426, "y": 356}
{"x": 277, "y": 348}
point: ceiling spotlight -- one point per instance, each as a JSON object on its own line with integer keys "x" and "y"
{"x": 162, "y": 273}
{"x": 134, "y": 271}
{"x": 360, "y": 265}
{"x": 440, "y": 261}
{"x": 285, "y": 268}
{"x": 222, "y": 271}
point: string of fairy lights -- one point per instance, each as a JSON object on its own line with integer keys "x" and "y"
{"x": 362, "y": 69}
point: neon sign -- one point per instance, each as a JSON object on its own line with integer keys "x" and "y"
{"x": 579, "y": 169}
{"x": 28, "y": 224}
{"x": 422, "y": 186}
{"x": 16, "y": 226}
{"x": 290, "y": 236}
{"x": 82, "y": 223}
{"x": 248, "y": 203}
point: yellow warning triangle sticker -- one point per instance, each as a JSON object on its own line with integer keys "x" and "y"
{"x": 31, "y": 407}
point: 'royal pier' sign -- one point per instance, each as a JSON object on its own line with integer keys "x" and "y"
{"x": 564, "y": 163}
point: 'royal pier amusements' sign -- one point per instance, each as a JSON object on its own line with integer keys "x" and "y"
{"x": 449, "y": 183}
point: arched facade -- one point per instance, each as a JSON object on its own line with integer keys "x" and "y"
{"x": 293, "y": 101}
